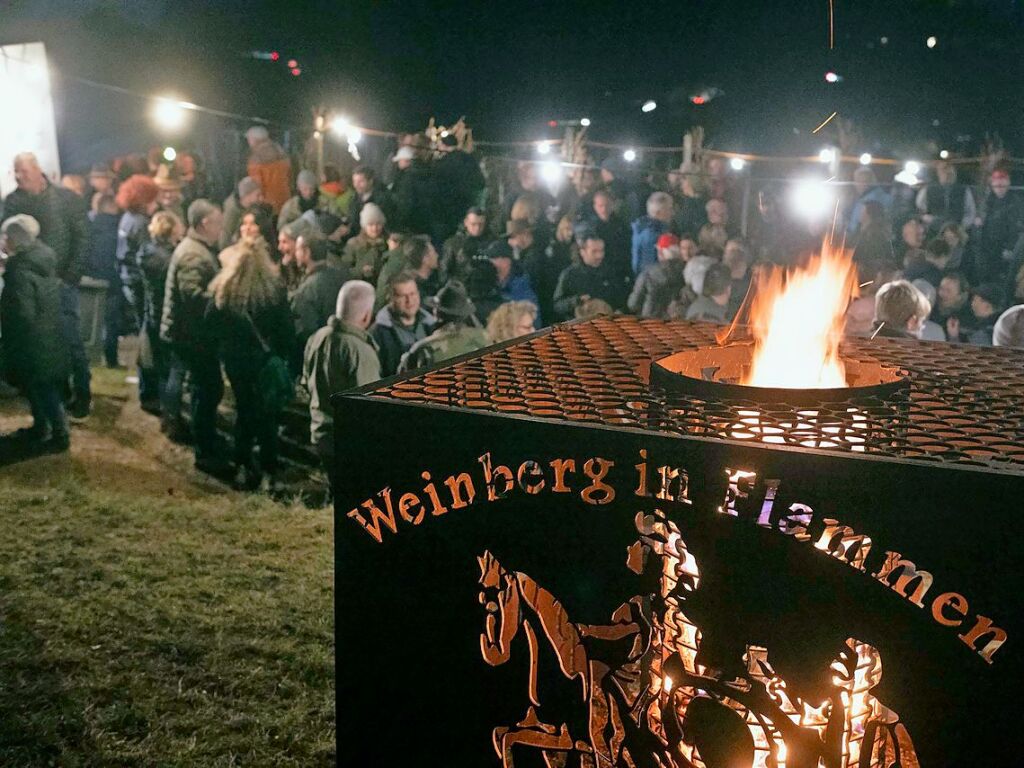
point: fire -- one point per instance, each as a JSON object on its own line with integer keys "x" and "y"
{"x": 796, "y": 318}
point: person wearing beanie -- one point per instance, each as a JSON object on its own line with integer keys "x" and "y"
{"x": 364, "y": 253}
{"x": 34, "y": 355}
{"x": 659, "y": 283}
{"x": 1009, "y": 328}
{"x": 247, "y": 194}
{"x": 184, "y": 326}
{"x": 269, "y": 166}
{"x": 307, "y": 199}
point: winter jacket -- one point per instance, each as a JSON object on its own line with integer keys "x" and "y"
{"x": 337, "y": 198}
{"x": 132, "y": 234}
{"x": 63, "y": 226}
{"x": 237, "y": 341}
{"x": 392, "y": 263}
{"x": 395, "y": 339}
{"x": 416, "y": 200}
{"x": 458, "y": 252}
{"x": 103, "y": 246}
{"x": 270, "y": 166}
{"x": 154, "y": 259}
{"x": 656, "y": 287}
{"x": 646, "y": 232}
{"x": 578, "y": 280}
{"x": 458, "y": 175}
{"x": 1003, "y": 223}
{"x": 296, "y": 205}
{"x": 337, "y": 357}
{"x": 451, "y": 340}
{"x": 365, "y": 257}
{"x": 875, "y": 194}
{"x": 316, "y": 298}
{"x": 33, "y": 348}
{"x": 183, "y": 320}
{"x": 518, "y": 288}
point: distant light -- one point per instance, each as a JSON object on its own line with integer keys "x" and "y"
{"x": 884, "y": 41}
{"x": 341, "y": 125}
{"x": 292, "y": 63}
{"x": 649, "y": 106}
{"x": 585, "y": 122}
{"x": 296, "y": 71}
{"x": 932, "y": 41}
{"x": 811, "y": 199}
{"x": 543, "y": 148}
{"x": 317, "y": 134}
{"x": 908, "y": 178}
{"x": 827, "y": 155}
{"x": 912, "y": 167}
{"x": 865, "y": 159}
{"x": 170, "y": 154}
{"x": 944, "y": 154}
{"x": 551, "y": 172}
{"x": 274, "y": 55}
{"x": 832, "y": 77}
{"x": 552, "y": 123}
{"x": 169, "y": 115}
{"x": 698, "y": 99}
{"x": 629, "y": 155}
{"x": 737, "y": 163}
{"x": 444, "y": 134}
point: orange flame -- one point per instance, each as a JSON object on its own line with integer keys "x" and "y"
{"x": 796, "y": 318}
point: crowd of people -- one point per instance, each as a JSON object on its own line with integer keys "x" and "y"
{"x": 331, "y": 281}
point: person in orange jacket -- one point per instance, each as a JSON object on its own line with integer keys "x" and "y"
{"x": 270, "y": 166}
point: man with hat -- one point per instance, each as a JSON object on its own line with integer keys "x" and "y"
{"x": 170, "y": 198}
{"x": 34, "y": 355}
{"x": 101, "y": 180}
{"x": 456, "y": 332}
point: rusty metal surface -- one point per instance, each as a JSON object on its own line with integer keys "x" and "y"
{"x": 966, "y": 404}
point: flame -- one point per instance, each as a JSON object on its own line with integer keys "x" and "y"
{"x": 797, "y": 317}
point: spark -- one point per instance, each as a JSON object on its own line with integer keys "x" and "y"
{"x": 827, "y": 121}
{"x": 881, "y": 325}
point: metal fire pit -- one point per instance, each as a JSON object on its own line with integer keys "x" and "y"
{"x": 592, "y": 547}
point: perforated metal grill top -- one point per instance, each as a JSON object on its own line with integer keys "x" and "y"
{"x": 966, "y": 404}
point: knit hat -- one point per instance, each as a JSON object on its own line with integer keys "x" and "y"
{"x": 1009, "y": 330}
{"x": 306, "y": 179}
{"x": 667, "y": 240}
{"x": 452, "y": 301}
{"x": 247, "y": 186}
{"x": 21, "y": 229}
{"x": 371, "y": 214}
{"x": 990, "y": 292}
{"x": 257, "y": 133}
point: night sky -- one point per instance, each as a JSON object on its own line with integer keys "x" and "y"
{"x": 511, "y": 67}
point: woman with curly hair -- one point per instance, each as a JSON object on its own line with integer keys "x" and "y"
{"x": 250, "y": 317}
{"x": 511, "y": 320}
{"x": 137, "y": 197}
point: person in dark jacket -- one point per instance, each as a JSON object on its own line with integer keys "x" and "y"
{"x": 589, "y": 279}
{"x": 659, "y": 283}
{"x": 316, "y": 297}
{"x": 458, "y": 174}
{"x": 401, "y": 323}
{"x": 247, "y": 193}
{"x": 460, "y": 249}
{"x": 184, "y": 326}
{"x": 415, "y": 194}
{"x": 165, "y": 232}
{"x": 368, "y": 190}
{"x": 137, "y": 197}
{"x": 103, "y": 226}
{"x": 1002, "y": 220}
{"x": 63, "y": 226}
{"x": 33, "y": 347}
{"x": 513, "y": 281}
{"x": 250, "y": 321}
{"x": 608, "y": 224}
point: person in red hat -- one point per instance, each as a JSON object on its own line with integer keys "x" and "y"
{"x": 660, "y": 282}
{"x": 1002, "y": 218}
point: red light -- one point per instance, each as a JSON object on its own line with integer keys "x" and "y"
{"x": 293, "y": 63}
{"x": 698, "y": 100}
{"x": 274, "y": 55}
{"x": 553, "y": 123}
{"x": 831, "y": 77}
{"x": 296, "y": 71}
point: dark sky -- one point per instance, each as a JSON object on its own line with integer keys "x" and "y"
{"x": 511, "y": 66}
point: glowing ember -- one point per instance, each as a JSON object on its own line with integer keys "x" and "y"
{"x": 796, "y": 319}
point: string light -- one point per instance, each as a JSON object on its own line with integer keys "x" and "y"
{"x": 170, "y": 154}
{"x": 944, "y": 154}
{"x": 649, "y": 106}
{"x": 543, "y": 148}
{"x": 169, "y": 114}
{"x": 551, "y": 172}
{"x": 585, "y": 122}
{"x": 865, "y": 159}
{"x": 827, "y": 155}
{"x": 932, "y": 41}
{"x": 629, "y": 155}
{"x": 912, "y": 167}
{"x": 737, "y": 163}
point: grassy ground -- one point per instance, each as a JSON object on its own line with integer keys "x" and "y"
{"x": 150, "y": 617}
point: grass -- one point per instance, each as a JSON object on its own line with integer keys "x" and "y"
{"x": 151, "y": 618}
